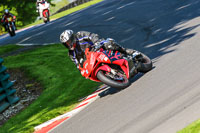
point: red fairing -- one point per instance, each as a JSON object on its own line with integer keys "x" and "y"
{"x": 88, "y": 65}
{"x": 124, "y": 65}
{"x": 44, "y": 12}
{"x": 96, "y": 61}
{"x": 103, "y": 58}
{"x": 104, "y": 68}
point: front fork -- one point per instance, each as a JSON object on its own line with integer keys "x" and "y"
{"x": 13, "y": 24}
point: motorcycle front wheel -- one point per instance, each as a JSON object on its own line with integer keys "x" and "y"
{"x": 11, "y": 31}
{"x": 119, "y": 84}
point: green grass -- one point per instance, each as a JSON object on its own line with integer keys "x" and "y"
{"x": 192, "y": 128}
{"x": 58, "y": 5}
{"x": 62, "y": 82}
{"x": 8, "y": 48}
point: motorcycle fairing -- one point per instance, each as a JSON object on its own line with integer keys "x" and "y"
{"x": 104, "y": 68}
{"x": 88, "y": 65}
{"x": 112, "y": 55}
{"x": 9, "y": 23}
{"x": 44, "y": 12}
{"x": 94, "y": 59}
{"x": 124, "y": 65}
{"x": 115, "y": 58}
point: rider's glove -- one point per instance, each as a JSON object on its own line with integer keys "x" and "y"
{"x": 97, "y": 46}
{"x": 136, "y": 53}
{"x": 109, "y": 43}
{"x": 14, "y": 18}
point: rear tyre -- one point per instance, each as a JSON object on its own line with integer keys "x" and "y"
{"x": 47, "y": 15}
{"x": 13, "y": 31}
{"x": 145, "y": 64}
{"x": 111, "y": 82}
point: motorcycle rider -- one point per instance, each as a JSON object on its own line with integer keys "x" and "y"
{"x": 6, "y": 15}
{"x": 78, "y": 42}
{"x": 37, "y": 6}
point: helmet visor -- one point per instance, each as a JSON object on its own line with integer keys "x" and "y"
{"x": 71, "y": 43}
{"x": 6, "y": 11}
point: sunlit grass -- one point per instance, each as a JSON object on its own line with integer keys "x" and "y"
{"x": 192, "y": 128}
{"x": 58, "y": 5}
{"x": 62, "y": 82}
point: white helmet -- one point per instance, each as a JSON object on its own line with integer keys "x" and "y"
{"x": 6, "y": 11}
{"x": 66, "y": 35}
{"x": 68, "y": 39}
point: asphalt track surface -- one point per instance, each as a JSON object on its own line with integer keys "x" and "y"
{"x": 163, "y": 100}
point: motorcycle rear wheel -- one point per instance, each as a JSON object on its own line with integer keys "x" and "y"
{"x": 145, "y": 64}
{"x": 115, "y": 84}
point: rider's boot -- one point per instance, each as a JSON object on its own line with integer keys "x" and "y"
{"x": 132, "y": 67}
{"x": 133, "y": 64}
{"x": 41, "y": 15}
{"x": 129, "y": 51}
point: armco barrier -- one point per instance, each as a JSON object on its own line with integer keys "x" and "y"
{"x": 7, "y": 93}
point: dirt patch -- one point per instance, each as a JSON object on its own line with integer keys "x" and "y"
{"x": 26, "y": 89}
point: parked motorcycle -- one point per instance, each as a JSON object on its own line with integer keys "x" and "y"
{"x": 113, "y": 68}
{"x": 10, "y": 26}
{"x": 44, "y": 8}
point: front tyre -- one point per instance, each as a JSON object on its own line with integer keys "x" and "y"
{"x": 145, "y": 63}
{"x": 45, "y": 20}
{"x": 106, "y": 79}
{"x": 11, "y": 31}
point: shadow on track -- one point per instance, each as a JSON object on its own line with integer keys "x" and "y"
{"x": 153, "y": 27}
{"x": 111, "y": 90}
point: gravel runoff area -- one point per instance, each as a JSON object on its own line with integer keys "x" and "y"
{"x": 26, "y": 89}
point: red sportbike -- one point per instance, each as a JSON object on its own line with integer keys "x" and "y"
{"x": 113, "y": 68}
{"x": 44, "y": 8}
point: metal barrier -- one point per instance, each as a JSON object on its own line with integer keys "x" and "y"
{"x": 7, "y": 93}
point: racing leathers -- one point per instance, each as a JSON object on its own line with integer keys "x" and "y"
{"x": 5, "y": 17}
{"x": 90, "y": 40}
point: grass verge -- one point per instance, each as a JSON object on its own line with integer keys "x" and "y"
{"x": 58, "y": 5}
{"x": 192, "y": 128}
{"x": 8, "y": 48}
{"x": 62, "y": 82}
